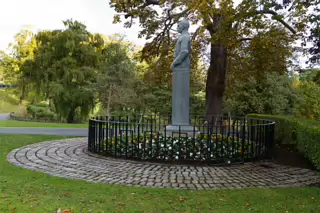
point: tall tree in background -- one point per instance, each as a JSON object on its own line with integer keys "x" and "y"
{"x": 16, "y": 62}
{"x": 65, "y": 66}
{"x": 117, "y": 78}
{"x": 248, "y": 71}
{"x": 314, "y": 36}
{"x": 221, "y": 25}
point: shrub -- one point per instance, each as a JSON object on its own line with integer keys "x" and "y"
{"x": 40, "y": 105}
{"x": 40, "y": 112}
{"x": 303, "y": 135}
{"x": 310, "y": 106}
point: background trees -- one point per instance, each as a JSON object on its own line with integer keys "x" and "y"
{"x": 221, "y": 25}
{"x": 117, "y": 80}
{"x": 64, "y": 68}
{"x": 71, "y": 74}
{"x": 314, "y": 36}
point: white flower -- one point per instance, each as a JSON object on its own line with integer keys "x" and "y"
{"x": 191, "y": 154}
{"x": 162, "y": 145}
{"x": 177, "y": 157}
{"x": 229, "y": 162}
{"x": 170, "y": 148}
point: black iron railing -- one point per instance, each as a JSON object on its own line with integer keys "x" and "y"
{"x": 221, "y": 140}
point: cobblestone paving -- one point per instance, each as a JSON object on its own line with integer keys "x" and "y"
{"x": 69, "y": 158}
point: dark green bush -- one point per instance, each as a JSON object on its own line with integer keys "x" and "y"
{"x": 41, "y": 105}
{"x": 302, "y": 134}
{"x": 41, "y": 112}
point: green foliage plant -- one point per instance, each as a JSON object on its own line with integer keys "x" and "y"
{"x": 303, "y": 135}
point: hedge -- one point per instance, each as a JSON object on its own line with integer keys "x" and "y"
{"x": 303, "y": 135}
{"x": 40, "y": 112}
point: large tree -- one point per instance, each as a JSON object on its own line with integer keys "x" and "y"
{"x": 314, "y": 36}
{"x": 221, "y": 24}
{"x": 64, "y": 68}
{"x": 15, "y": 63}
{"x": 117, "y": 79}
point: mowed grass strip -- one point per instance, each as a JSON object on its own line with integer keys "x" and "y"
{"x": 22, "y": 190}
{"x": 13, "y": 123}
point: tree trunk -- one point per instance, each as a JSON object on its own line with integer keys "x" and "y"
{"x": 20, "y": 102}
{"x": 108, "y": 105}
{"x": 50, "y": 104}
{"x": 71, "y": 115}
{"x": 216, "y": 81}
{"x": 34, "y": 100}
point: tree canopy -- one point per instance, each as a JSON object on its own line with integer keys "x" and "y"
{"x": 220, "y": 24}
{"x": 314, "y": 36}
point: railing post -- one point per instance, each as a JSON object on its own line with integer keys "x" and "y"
{"x": 107, "y": 134}
{"x": 89, "y": 136}
{"x": 243, "y": 138}
{"x": 127, "y": 136}
{"x": 271, "y": 140}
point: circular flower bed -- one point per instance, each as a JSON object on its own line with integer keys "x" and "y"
{"x": 203, "y": 147}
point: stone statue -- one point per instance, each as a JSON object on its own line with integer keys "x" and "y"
{"x": 183, "y": 48}
{"x": 181, "y": 79}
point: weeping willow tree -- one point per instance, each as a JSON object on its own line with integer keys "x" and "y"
{"x": 64, "y": 68}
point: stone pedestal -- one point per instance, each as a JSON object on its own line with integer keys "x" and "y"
{"x": 183, "y": 130}
{"x": 181, "y": 83}
{"x": 180, "y": 97}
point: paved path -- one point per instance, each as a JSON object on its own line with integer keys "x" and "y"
{"x": 69, "y": 158}
{"x": 4, "y": 116}
{"x": 45, "y": 131}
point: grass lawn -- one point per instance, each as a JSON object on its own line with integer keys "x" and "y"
{"x": 25, "y": 191}
{"x": 8, "y": 102}
{"x": 12, "y": 123}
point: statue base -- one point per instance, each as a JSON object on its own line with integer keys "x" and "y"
{"x": 183, "y": 130}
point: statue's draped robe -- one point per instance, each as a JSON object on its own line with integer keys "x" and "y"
{"x": 181, "y": 81}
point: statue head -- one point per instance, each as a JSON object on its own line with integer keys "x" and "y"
{"x": 183, "y": 25}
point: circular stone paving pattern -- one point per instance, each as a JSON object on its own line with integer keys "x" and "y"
{"x": 69, "y": 158}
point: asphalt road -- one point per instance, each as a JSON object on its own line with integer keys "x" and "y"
{"x": 45, "y": 131}
{"x": 42, "y": 131}
{"x": 4, "y": 116}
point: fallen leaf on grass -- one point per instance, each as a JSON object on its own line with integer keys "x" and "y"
{"x": 121, "y": 203}
{"x": 170, "y": 202}
{"x": 64, "y": 211}
{"x": 223, "y": 200}
{"x": 247, "y": 205}
{"x": 180, "y": 198}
